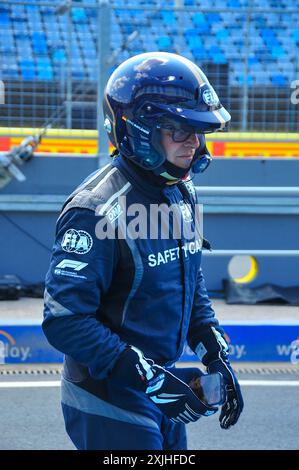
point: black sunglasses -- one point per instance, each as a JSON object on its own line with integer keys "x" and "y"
{"x": 178, "y": 135}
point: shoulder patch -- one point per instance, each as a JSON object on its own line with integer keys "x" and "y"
{"x": 76, "y": 241}
{"x": 189, "y": 189}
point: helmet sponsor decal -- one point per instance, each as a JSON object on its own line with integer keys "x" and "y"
{"x": 107, "y": 125}
{"x": 134, "y": 124}
{"x": 210, "y": 97}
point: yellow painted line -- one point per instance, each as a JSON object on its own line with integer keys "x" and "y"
{"x": 249, "y": 136}
{"x": 60, "y": 141}
{"x": 50, "y": 132}
{"x": 217, "y": 136}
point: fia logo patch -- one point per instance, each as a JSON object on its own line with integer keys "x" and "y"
{"x": 76, "y": 241}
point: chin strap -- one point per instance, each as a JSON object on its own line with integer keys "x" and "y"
{"x": 171, "y": 172}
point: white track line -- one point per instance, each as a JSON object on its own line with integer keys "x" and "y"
{"x": 244, "y": 383}
{"x": 269, "y": 383}
{"x": 27, "y": 384}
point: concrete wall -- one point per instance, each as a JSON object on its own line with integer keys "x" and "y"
{"x": 28, "y": 212}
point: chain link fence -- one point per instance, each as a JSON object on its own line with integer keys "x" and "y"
{"x": 52, "y": 69}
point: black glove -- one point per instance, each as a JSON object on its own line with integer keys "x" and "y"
{"x": 234, "y": 404}
{"x": 170, "y": 394}
{"x": 212, "y": 349}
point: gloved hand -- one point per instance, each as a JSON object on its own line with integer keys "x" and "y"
{"x": 170, "y": 394}
{"x": 213, "y": 351}
{"x": 234, "y": 404}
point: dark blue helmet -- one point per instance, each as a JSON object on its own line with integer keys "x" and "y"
{"x": 154, "y": 90}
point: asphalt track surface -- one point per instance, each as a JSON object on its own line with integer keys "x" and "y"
{"x": 31, "y": 418}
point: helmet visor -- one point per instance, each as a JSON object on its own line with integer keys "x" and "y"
{"x": 202, "y": 122}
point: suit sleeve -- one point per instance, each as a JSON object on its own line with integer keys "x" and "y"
{"x": 80, "y": 274}
{"x": 203, "y": 315}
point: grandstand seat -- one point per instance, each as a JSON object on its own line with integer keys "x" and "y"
{"x": 11, "y": 72}
{"x": 42, "y": 60}
{"x": 79, "y": 15}
{"x": 44, "y": 73}
{"x": 80, "y": 74}
{"x": 218, "y": 59}
{"x": 241, "y": 79}
{"x": 164, "y": 42}
{"x": 277, "y": 52}
{"x": 233, "y": 4}
{"x": 199, "y": 19}
{"x": 128, "y": 28}
{"x": 28, "y": 72}
{"x": 39, "y": 43}
{"x": 168, "y": 17}
{"x": 58, "y": 55}
{"x": 295, "y": 35}
{"x": 252, "y": 60}
{"x": 279, "y": 80}
{"x": 213, "y": 18}
{"x": 203, "y": 28}
{"x": 194, "y": 42}
{"x": 199, "y": 53}
{"x": 222, "y": 34}
{"x": 4, "y": 16}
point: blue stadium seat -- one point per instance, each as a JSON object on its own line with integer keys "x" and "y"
{"x": 213, "y": 18}
{"x": 43, "y": 61}
{"x": 199, "y": 53}
{"x": 216, "y": 55}
{"x": 18, "y": 12}
{"x": 241, "y": 79}
{"x": 168, "y": 17}
{"x": 252, "y": 60}
{"x": 128, "y": 28}
{"x": 9, "y": 72}
{"x": 39, "y": 42}
{"x": 191, "y": 32}
{"x": 201, "y": 24}
{"x": 295, "y": 35}
{"x": 277, "y": 52}
{"x": 279, "y": 80}
{"x": 44, "y": 73}
{"x": 233, "y": 4}
{"x": 4, "y": 16}
{"x": 222, "y": 34}
{"x": 164, "y": 42}
{"x": 79, "y": 15}
{"x": 194, "y": 42}
{"x": 27, "y": 70}
{"x": 80, "y": 74}
{"x": 199, "y": 19}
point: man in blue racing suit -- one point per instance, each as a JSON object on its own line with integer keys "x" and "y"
{"x": 125, "y": 293}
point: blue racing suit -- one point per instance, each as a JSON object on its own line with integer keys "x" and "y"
{"x": 104, "y": 293}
